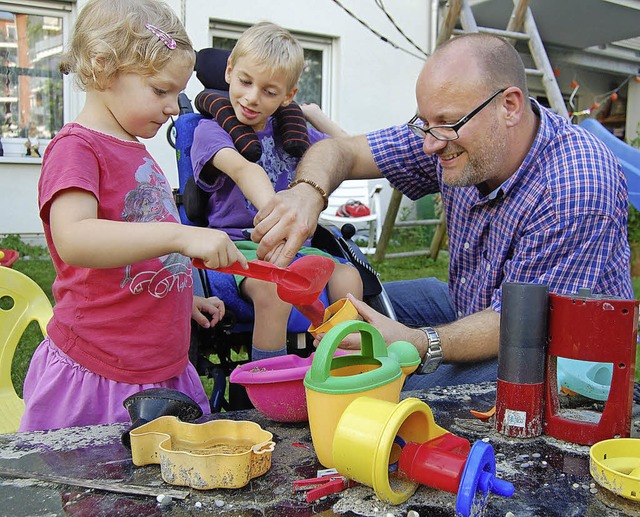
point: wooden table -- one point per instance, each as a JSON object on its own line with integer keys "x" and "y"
{"x": 550, "y": 477}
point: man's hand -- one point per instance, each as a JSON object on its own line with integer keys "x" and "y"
{"x": 285, "y": 223}
{"x": 390, "y": 329}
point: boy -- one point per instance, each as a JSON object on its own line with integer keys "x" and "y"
{"x": 262, "y": 71}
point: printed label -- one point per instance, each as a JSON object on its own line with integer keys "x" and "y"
{"x": 515, "y": 418}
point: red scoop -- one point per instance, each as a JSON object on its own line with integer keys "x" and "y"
{"x": 299, "y": 284}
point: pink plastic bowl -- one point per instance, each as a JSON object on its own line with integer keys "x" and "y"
{"x": 275, "y": 386}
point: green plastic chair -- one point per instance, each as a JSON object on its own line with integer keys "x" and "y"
{"x": 21, "y": 302}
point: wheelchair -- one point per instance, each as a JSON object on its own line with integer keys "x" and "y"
{"x": 234, "y": 332}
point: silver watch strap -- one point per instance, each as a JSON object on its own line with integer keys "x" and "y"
{"x": 433, "y": 357}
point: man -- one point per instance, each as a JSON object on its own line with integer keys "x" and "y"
{"x": 528, "y": 196}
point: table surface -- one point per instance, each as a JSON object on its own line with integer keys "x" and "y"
{"x": 551, "y": 477}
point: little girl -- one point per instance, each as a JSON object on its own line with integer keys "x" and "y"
{"x": 124, "y": 288}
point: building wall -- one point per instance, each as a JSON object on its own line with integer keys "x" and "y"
{"x": 633, "y": 111}
{"x": 18, "y": 196}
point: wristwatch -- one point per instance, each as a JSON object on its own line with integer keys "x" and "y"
{"x": 433, "y": 357}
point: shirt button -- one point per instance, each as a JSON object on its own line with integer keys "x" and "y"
{"x": 459, "y": 314}
{"x": 463, "y": 280}
{"x": 466, "y": 245}
{"x": 488, "y": 267}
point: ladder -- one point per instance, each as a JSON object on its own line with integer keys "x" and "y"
{"x": 521, "y": 18}
{"x": 521, "y": 27}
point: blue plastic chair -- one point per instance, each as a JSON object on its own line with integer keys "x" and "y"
{"x": 589, "y": 379}
{"x": 221, "y": 284}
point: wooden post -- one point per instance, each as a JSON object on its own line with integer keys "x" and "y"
{"x": 517, "y": 16}
{"x": 449, "y": 23}
{"x": 438, "y": 237}
{"x": 387, "y": 227}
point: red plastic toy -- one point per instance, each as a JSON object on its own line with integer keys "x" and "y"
{"x": 322, "y": 486}
{"x": 592, "y": 328}
{"x": 8, "y": 257}
{"x": 449, "y": 463}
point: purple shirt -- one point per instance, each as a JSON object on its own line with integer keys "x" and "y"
{"x": 229, "y": 210}
{"x": 560, "y": 219}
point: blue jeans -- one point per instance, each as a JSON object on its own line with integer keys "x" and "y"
{"x": 426, "y": 302}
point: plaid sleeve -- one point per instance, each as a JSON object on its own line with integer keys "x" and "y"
{"x": 400, "y": 158}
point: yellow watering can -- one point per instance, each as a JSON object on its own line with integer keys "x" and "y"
{"x": 332, "y": 383}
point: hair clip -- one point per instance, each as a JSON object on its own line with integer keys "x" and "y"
{"x": 169, "y": 42}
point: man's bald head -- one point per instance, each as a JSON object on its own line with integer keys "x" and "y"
{"x": 496, "y": 61}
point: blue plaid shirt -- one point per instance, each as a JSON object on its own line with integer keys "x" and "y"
{"x": 560, "y": 219}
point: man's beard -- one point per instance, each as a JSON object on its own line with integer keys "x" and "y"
{"x": 481, "y": 167}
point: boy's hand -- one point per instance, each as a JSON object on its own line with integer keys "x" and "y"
{"x": 213, "y": 306}
{"x": 285, "y": 223}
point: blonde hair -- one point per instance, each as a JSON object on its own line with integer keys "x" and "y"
{"x": 272, "y": 46}
{"x": 110, "y": 37}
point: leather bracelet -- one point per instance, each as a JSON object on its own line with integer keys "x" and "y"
{"x": 319, "y": 189}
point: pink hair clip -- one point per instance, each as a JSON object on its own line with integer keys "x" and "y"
{"x": 169, "y": 42}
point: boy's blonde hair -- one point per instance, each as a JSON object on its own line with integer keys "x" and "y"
{"x": 272, "y": 46}
{"x": 110, "y": 37}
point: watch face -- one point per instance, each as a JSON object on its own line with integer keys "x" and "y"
{"x": 430, "y": 365}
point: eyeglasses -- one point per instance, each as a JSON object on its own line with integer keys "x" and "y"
{"x": 448, "y": 132}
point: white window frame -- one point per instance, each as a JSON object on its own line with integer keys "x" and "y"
{"x": 58, "y": 9}
{"x": 325, "y": 44}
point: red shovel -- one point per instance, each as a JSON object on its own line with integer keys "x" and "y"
{"x": 299, "y": 284}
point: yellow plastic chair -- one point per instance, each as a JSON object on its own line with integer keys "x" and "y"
{"x": 21, "y": 302}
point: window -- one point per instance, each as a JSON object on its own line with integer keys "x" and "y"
{"x": 31, "y": 87}
{"x": 315, "y": 81}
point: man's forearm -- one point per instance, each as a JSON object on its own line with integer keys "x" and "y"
{"x": 326, "y": 163}
{"x": 473, "y": 338}
{"x": 329, "y": 162}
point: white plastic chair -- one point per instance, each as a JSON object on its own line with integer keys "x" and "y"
{"x": 358, "y": 190}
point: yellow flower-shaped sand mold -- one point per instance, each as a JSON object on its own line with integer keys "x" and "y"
{"x": 215, "y": 454}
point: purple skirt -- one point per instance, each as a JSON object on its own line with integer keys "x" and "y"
{"x": 58, "y": 392}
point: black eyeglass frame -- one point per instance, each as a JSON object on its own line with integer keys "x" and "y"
{"x": 422, "y": 132}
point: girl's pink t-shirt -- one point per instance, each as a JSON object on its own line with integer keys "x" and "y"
{"x": 132, "y": 323}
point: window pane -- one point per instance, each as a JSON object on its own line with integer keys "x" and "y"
{"x": 223, "y": 43}
{"x": 30, "y": 83}
{"x": 310, "y": 84}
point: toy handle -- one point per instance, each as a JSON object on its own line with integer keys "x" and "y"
{"x": 495, "y": 485}
{"x": 259, "y": 269}
{"x": 372, "y": 346}
{"x": 478, "y": 479}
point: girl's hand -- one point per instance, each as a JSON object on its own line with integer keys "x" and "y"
{"x": 213, "y": 306}
{"x": 214, "y": 247}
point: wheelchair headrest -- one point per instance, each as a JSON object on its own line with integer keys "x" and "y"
{"x": 210, "y": 66}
